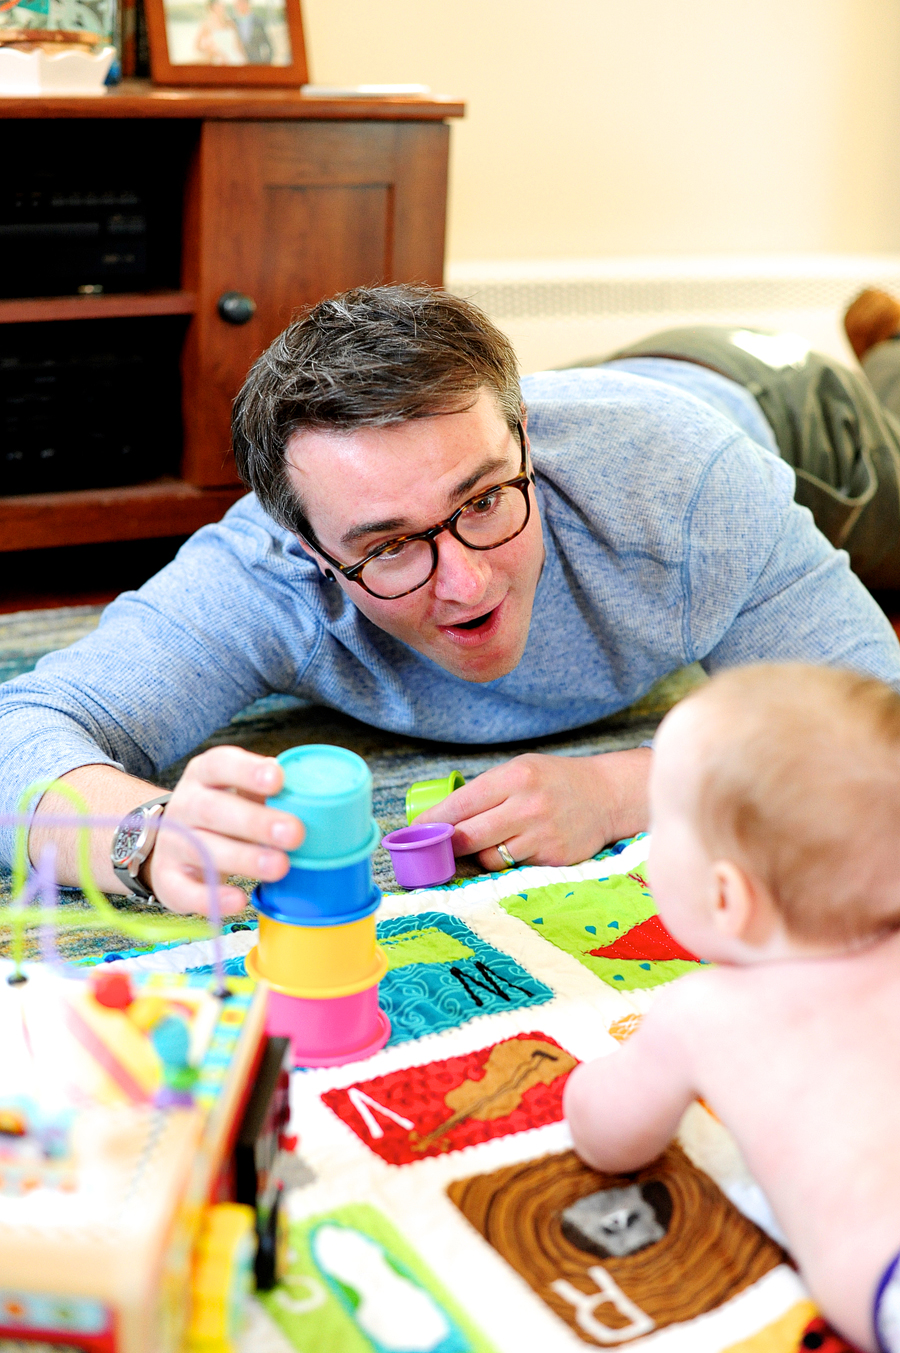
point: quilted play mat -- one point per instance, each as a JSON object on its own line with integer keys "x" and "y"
{"x": 446, "y": 1210}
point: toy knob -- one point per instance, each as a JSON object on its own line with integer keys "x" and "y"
{"x": 112, "y": 989}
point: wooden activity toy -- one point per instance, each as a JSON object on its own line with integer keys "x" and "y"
{"x": 128, "y": 1224}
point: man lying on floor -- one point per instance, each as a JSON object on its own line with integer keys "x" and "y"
{"x": 421, "y": 553}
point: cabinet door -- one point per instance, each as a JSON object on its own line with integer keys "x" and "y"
{"x": 287, "y": 213}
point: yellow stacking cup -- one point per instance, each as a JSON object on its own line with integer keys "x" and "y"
{"x": 317, "y": 961}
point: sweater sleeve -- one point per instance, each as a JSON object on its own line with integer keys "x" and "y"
{"x": 232, "y": 618}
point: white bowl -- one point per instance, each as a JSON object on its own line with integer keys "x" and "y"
{"x": 40, "y": 72}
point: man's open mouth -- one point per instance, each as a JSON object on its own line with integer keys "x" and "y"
{"x": 476, "y": 623}
{"x": 481, "y": 629}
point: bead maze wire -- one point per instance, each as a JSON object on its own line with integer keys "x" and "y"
{"x": 27, "y": 886}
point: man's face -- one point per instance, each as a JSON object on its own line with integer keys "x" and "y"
{"x": 365, "y": 487}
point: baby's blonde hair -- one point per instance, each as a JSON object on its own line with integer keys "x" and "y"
{"x": 799, "y": 783}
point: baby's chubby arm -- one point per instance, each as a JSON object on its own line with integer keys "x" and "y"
{"x": 624, "y": 1109}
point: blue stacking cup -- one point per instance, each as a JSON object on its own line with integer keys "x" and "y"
{"x": 320, "y": 897}
{"x": 330, "y": 790}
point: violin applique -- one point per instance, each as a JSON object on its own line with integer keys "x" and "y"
{"x": 511, "y": 1069}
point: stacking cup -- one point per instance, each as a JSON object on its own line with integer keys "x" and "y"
{"x": 422, "y": 855}
{"x": 320, "y": 897}
{"x": 329, "y": 1032}
{"x": 317, "y": 961}
{"x": 330, "y": 790}
{"x": 425, "y": 794}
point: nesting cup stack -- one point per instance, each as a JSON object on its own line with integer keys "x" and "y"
{"x": 316, "y": 949}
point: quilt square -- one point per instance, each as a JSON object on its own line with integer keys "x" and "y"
{"x": 355, "y": 1285}
{"x": 610, "y": 925}
{"x": 441, "y": 974}
{"x": 616, "y": 1256}
{"x": 445, "y": 1106}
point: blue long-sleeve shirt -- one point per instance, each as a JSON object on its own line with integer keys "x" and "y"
{"x": 671, "y": 536}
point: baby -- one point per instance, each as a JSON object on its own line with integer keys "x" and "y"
{"x": 775, "y": 852}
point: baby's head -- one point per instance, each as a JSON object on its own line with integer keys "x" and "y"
{"x": 776, "y": 794}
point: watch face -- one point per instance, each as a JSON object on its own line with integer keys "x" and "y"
{"x": 124, "y": 844}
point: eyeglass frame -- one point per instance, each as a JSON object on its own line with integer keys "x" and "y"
{"x": 353, "y": 572}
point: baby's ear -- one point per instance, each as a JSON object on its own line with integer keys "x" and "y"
{"x": 733, "y": 898}
{"x": 743, "y": 909}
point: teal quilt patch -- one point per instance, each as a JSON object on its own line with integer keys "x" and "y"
{"x": 441, "y": 974}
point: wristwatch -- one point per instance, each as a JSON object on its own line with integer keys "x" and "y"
{"x": 133, "y": 842}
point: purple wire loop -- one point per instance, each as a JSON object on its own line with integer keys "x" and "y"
{"x": 37, "y": 881}
{"x": 44, "y": 877}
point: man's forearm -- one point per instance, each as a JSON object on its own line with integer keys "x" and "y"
{"x": 622, "y": 782}
{"x": 108, "y": 793}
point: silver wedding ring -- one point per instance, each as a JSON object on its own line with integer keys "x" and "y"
{"x": 506, "y": 857}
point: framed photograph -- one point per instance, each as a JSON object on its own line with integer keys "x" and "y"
{"x": 226, "y": 42}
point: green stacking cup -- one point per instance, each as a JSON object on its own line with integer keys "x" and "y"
{"x": 425, "y": 794}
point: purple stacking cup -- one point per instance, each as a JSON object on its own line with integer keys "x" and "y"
{"x": 422, "y": 855}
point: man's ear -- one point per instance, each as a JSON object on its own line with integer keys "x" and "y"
{"x": 325, "y": 572}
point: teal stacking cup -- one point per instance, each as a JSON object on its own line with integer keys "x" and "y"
{"x": 330, "y": 790}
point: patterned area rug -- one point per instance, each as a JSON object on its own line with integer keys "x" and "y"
{"x": 271, "y": 725}
{"x": 27, "y": 635}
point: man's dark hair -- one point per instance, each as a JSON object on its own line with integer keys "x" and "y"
{"x": 367, "y": 358}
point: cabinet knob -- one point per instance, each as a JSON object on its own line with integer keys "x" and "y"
{"x": 236, "y": 308}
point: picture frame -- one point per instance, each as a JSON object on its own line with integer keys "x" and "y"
{"x": 226, "y": 42}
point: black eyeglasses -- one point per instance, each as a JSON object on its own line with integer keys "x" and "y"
{"x": 406, "y": 563}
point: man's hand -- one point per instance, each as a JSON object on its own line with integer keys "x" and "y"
{"x": 221, "y": 797}
{"x": 548, "y": 809}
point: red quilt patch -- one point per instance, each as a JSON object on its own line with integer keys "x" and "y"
{"x": 445, "y": 1106}
{"x": 648, "y": 940}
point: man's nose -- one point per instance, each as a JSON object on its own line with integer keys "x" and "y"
{"x": 462, "y": 574}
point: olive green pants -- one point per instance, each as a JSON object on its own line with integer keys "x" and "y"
{"x": 838, "y": 430}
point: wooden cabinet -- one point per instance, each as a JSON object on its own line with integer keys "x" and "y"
{"x": 323, "y": 206}
{"x": 285, "y": 200}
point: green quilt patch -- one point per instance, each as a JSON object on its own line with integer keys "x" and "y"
{"x": 354, "y": 1285}
{"x": 429, "y": 945}
{"x": 579, "y": 917}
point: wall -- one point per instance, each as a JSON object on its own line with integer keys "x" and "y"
{"x": 606, "y": 127}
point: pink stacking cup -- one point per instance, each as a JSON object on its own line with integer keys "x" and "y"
{"x": 422, "y": 855}
{"x": 330, "y": 1031}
